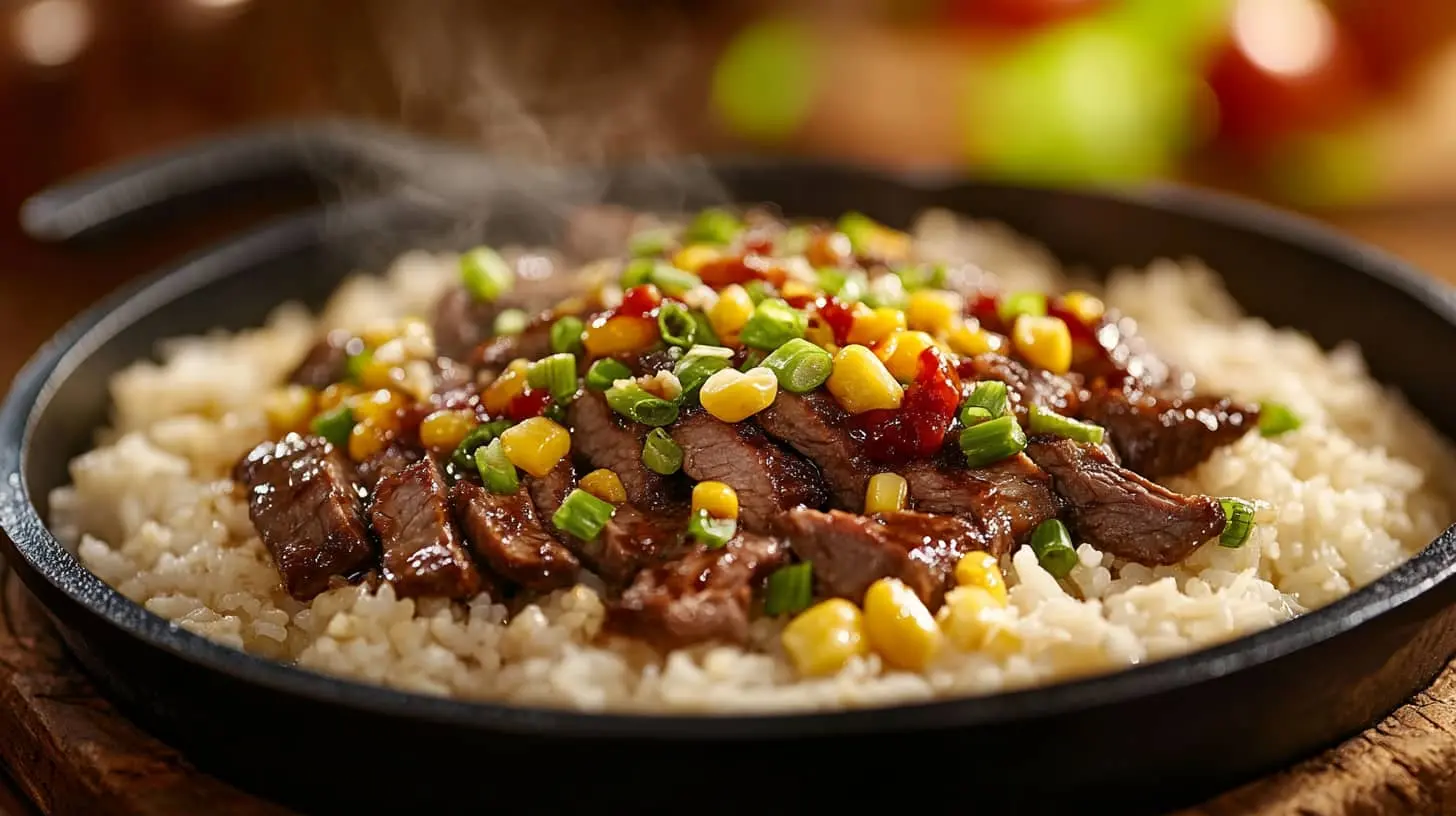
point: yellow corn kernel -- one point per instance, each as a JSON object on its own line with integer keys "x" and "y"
{"x": 619, "y": 334}
{"x": 933, "y": 310}
{"x": 733, "y": 396}
{"x": 720, "y": 500}
{"x": 794, "y": 290}
{"x": 968, "y": 339}
{"x": 824, "y": 637}
{"x": 605, "y": 485}
{"x": 380, "y": 407}
{"x": 875, "y": 325}
{"x": 442, "y": 430}
{"x": 820, "y": 334}
{"x": 900, "y": 352}
{"x": 899, "y": 627}
{"x": 860, "y": 382}
{"x": 1088, "y": 308}
{"x": 366, "y": 439}
{"x": 973, "y": 620}
{"x": 498, "y": 395}
{"x": 692, "y": 257}
{"x": 886, "y": 493}
{"x": 379, "y": 372}
{"x": 379, "y": 332}
{"x": 334, "y": 395}
{"x": 730, "y": 312}
{"x": 1044, "y": 342}
{"x": 289, "y": 408}
{"x": 536, "y": 445}
{"x": 980, "y": 569}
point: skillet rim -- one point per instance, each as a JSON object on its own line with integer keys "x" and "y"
{"x": 47, "y": 560}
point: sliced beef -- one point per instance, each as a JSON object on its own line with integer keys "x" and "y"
{"x": 533, "y": 343}
{"x": 1006, "y": 500}
{"x": 1118, "y": 511}
{"x": 395, "y": 457}
{"x": 461, "y": 322}
{"x": 1025, "y": 387}
{"x": 609, "y": 441}
{"x": 423, "y": 555}
{"x": 1158, "y": 433}
{"x": 632, "y": 541}
{"x": 549, "y": 491}
{"x": 849, "y": 552}
{"x": 703, "y": 596}
{"x": 506, "y": 533}
{"x": 767, "y": 478}
{"x": 818, "y": 428}
{"x": 302, "y": 500}
{"x": 326, "y": 363}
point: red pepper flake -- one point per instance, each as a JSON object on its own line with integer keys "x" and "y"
{"x": 741, "y": 269}
{"x": 640, "y": 301}
{"x": 527, "y": 404}
{"x": 917, "y": 428}
{"x": 983, "y": 308}
{"x": 839, "y": 317}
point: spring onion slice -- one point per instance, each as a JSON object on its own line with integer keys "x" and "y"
{"x": 971, "y": 415}
{"x": 485, "y": 274}
{"x": 1045, "y": 421}
{"x": 758, "y": 291}
{"x": 495, "y": 469}
{"x": 463, "y": 456}
{"x": 860, "y": 229}
{"x": 1276, "y": 418}
{"x": 790, "y": 589}
{"x": 583, "y": 515}
{"x": 922, "y": 276}
{"x": 675, "y": 323}
{"x": 711, "y": 532}
{"x": 992, "y": 441}
{"x": 635, "y": 403}
{"x": 604, "y": 372}
{"x": 713, "y": 226}
{"x": 988, "y": 397}
{"x": 705, "y": 333}
{"x": 556, "y": 373}
{"x": 650, "y": 242}
{"x": 638, "y": 271}
{"x": 355, "y": 364}
{"x": 566, "y": 335}
{"x": 694, "y": 369}
{"x": 1016, "y": 304}
{"x": 799, "y": 365}
{"x": 1239, "y": 523}
{"x": 660, "y": 454}
{"x": 334, "y": 425}
{"x": 672, "y": 281}
{"x": 773, "y": 324}
{"x": 511, "y": 321}
{"x": 1053, "y": 547}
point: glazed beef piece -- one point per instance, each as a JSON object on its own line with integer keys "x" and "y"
{"x": 704, "y": 595}
{"x": 1025, "y": 387}
{"x": 633, "y": 540}
{"x": 549, "y": 491}
{"x": 506, "y": 533}
{"x": 849, "y": 552}
{"x": 461, "y": 322}
{"x": 1118, "y": 511}
{"x": 1162, "y": 433}
{"x": 326, "y": 363}
{"x": 533, "y": 343}
{"x": 815, "y": 426}
{"x": 302, "y": 500}
{"x": 768, "y": 479}
{"x": 1006, "y": 500}
{"x": 422, "y": 552}
{"x": 609, "y": 441}
{"x": 395, "y": 457}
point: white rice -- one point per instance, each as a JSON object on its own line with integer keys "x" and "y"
{"x": 1363, "y": 485}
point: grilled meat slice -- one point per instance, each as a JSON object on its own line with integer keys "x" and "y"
{"x": 395, "y": 457}
{"x": 461, "y": 322}
{"x": 1159, "y": 432}
{"x": 608, "y": 441}
{"x": 506, "y": 534}
{"x": 326, "y": 363}
{"x": 422, "y": 552}
{"x": 1006, "y": 500}
{"x": 533, "y": 343}
{"x": 1025, "y": 387}
{"x": 767, "y": 478}
{"x": 816, "y": 427}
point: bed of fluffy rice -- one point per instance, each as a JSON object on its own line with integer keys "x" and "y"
{"x": 1360, "y": 487}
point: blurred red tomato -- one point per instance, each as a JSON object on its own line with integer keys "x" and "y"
{"x": 1018, "y": 13}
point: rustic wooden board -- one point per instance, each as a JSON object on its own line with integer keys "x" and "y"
{"x": 73, "y": 753}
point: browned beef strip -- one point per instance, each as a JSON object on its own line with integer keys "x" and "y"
{"x": 1025, "y": 387}
{"x": 703, "y": 596}
{"x": 395, "y": 457}
{"x": 817, "y": 428}
{"x": 767, "y": 478}
{"x": 549, "y": 491}
{"x": 1006, "y": 500}
{"x": 461, "y": 322}
{"x": 506, "y": 533}
{"x": 849, "y": 552}
{"x": 326, "y": 363}
{"x": 1163, "y": 433}
{"x": 1118, "y": 511}
{"x": 302, "y": 500}
{"x": 609, "y": 441}
{"x": 423, "y": 555}
{"x": 533, "y": 343}
{"x": 632, "y": 541}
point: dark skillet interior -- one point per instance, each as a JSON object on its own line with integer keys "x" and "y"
{"x": 1157, "y": 736}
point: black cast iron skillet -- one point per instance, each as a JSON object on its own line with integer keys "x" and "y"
{"x": 1153, "y": 737}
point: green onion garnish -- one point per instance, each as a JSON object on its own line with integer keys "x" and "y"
{"x": 922, "y": 276}
{"x": 556, "y": 373}
{"x": 672, "y": 281}
{"x": 992, "y": 441}
{"x": 495, "y": 469}
{"x": 660, "y": 454}
{"x": 604, "y": 372}
{"x": 1275, "y": 418}
{"x": 1015, "y": 304}
{"x": 334, "y": 425}
{"x": 582, "y": 515}
{"x": 971, "y": 415}
{"x": 511, "y": 321}
{"x": 793, "y": 241}
{"x": 799, "y": 365}
{"x": 638, "y": 271}
{"x": 859, "y": 229}
{"x": 855, "y": 288}
{"x": 831, "y": 279}
{"x": 1239, "y": 523}
{"x": 1046, "y": 421}
{"x": 753, "y": 359}
{"x": 711, "y": 532}
{"x": 988, "y": 400}
{"x": 676, "y": 324}
{"x": 773, "y": 324}
{"x": 635, "y": 403}
{"x": 566, "y": 335}
{"x": 758, "y": 291}
{"x": 700, "y": 363}
{"x": 885, "y": 291}
{"x": 713, "y": 226}
{"x": 790, "y": 589}
{"x": 1053, "y": 547}
{"x": 705, "y": 333}
{"x": 481, "y": 435}
{"x": 486, "y": 274}
{"x": 354, "y": 365}
{"x": 651, "y": 242}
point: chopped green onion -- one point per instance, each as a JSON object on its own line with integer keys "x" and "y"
{"x": 711, "y": 532}
{"x": 830, "y": 279}
{"x": 660, "y": 454}
{"x": 705, "y": 333}
{"x": 651, "y": 242}
{"x": 495, "y": 469}
{"x": 856, "y": 287}
{"x": 638, "y": 271}
{"x": 971, "y": 415}
{"x": 773, "y": 324}
{"x": 1046, "y": 421}
{"x": 676, "y": 324}
{"x": 859, "y": 229}
{"x": 674, "y": 282}
{"x": 511, "y": 321}
{"x": 758, "y": 291}
{"x": 334, "y": 425}
{"x": 582, "y": 515}
{"x": 922, "y": 276}
{"x": 635, "y": 403}
{"x": 556, "y": 373}
{"x": 1239, "y": 523}
{"x": 753, "y": 359}
{"x": 481, "y": 435}
{"x": 793, "y": 241}
{"x": 1016, "y": 304}
{"x": 354, "y": 365}
{"x": 555, "y": 412}
{"x": 700, "y": 363}
{"x": 1275, "y": 418}
{"x": 799, "y": 365}
{"x": 885, "y": 291}
{"x": 604, "y": 372}
{"x": 713, "y": 226}
{"x": 566, "y": 335}
{"x": 989, "y": 396}
{"x": 992, "y": 441}
{"x": 1053, "y": 547}
{"x": 486, "y": 274}
{"x": 790, "y": 589}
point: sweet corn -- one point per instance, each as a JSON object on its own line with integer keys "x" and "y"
{"x": 820, "y": 334}
{"x": 860, "y": 382}
{"x": 379, "y": 332}
{"x": 605, "y": 485}
{"x": 968, "y": 339}
{"x": 933, "y": 310}
{"x": 334, "y": 395}
{"x": 900, "y": 352}
{"x": 619, "y": 334}
{"x": 733, "y": 396}
{"x": 973, "y": 620}
{"x": 380, "y": 406}
{"x": 1088, "y": 308}
{"x": 730, "y": 312}
{"x": 1044, "y": 341}
{"x": 442, "y": 430}
{"x": 793, "y": 291}
{"x": 289, "y": 408}
{"x": 899, "y": 627}
{"x": 824, "y": 637}
{"x": 536, "y": 445}
{"x": 886, "y": 493}
{"x": 379, "y": 372}
{"x": 366, "y": 439}
{"x": 980, "y": 569}
{"x": 692, "y": 257}
{"x": 874, "y": 325}
{"x": 498, "y": 395}
{"x": 720, "y": 500}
